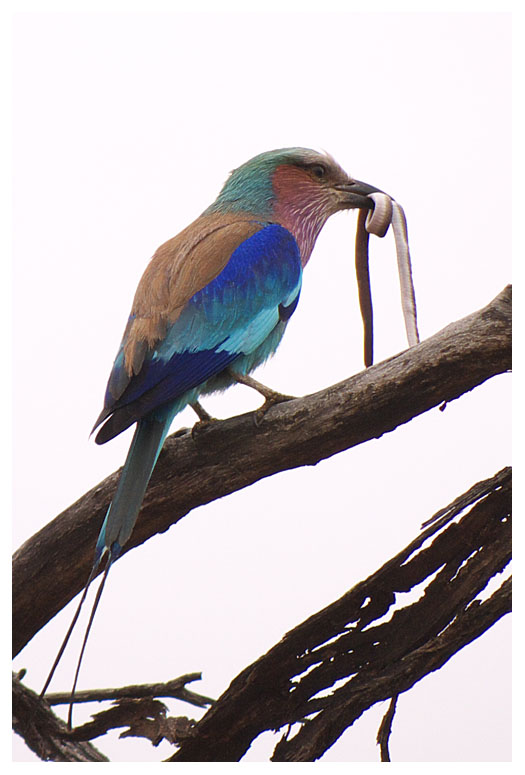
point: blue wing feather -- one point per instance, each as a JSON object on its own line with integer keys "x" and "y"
{"x": 238, "y": 318}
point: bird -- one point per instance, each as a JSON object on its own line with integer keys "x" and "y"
{"x": 212, "y": 305}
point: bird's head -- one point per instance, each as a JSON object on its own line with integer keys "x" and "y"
{"x": 300, "y": 189}
{"x": 296, "y": 187}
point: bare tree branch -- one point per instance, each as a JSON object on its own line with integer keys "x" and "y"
{"x": 134, "y": 708}
{"x": 385, "y": 730}
{"x": 175, "y": 688}
{"x": 53, "y": 565}
{"x": 294, "y": 683}
{"x": 324, "y": 674}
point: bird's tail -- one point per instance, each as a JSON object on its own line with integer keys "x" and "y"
{"x": 119, "y": 521}
{"x": 125, "y": 506}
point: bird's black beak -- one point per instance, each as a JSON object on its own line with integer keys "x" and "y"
{"x": 356, "y": 194}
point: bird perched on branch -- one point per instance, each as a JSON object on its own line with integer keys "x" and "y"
{"x": 212, "y": 305}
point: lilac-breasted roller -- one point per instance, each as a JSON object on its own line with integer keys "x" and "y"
{"x": 214, "y": 300}
{"x": 212, "y": 305}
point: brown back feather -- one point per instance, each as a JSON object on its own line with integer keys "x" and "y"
{"x": 181, "y": 267}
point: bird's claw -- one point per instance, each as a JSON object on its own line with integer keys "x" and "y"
{"x": 202, "y": 425}
{"x": 205, "y": 419}
{"x": 272, "y": 397}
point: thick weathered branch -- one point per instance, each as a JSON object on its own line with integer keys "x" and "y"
{"x": 52, "y": 566}
{"x": 351, "y": 640}
{"x": 466, "y": 545}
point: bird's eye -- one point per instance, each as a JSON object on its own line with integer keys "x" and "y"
{"x": 318, "y": 170}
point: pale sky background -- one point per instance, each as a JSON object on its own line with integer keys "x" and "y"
{"x": 125, "y": 128}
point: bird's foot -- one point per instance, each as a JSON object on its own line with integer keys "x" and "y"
{"x": 276, "y": 398}
{"x": 272, "y": 397}
{"x": 201, "y": 412}
{"x": 205, "y": 419}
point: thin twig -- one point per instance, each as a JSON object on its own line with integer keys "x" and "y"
{"x": 385, "y": 729}
{"x": 175, "y": 688}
